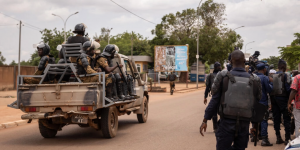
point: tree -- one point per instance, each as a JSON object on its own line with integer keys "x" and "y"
{"x": 52, "y": 38}
{"x": 292, "y": 53}
{"x": 2, "y": 59}
{"x": 215, "y": 40}
{"x": 273, "y": 60}
{"x": 13, "y": 63}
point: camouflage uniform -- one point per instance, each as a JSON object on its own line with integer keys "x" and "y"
{"x": 32, "y": 80}
{"x": 89, "y": 70}
{"x": 102, "y": 63}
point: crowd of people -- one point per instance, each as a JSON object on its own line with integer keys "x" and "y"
{"x": 88, "y": 63}
{"x": 244, "y": 98}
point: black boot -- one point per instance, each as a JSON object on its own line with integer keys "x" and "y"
{"x": 129, "y": 87}
{"x": 279, "y": 139}
{"x": 108, "y": 92}
{"x": 287, "y": 139}
{"x": 125, "y": 91}
{"x": 115, "y": 94}
{"x": 265, "y": 141}
{"x": 120, "y": 91}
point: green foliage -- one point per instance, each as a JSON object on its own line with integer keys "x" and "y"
{"x": 13, "y": 63}
{"x": 207, "y": 68}
{"x": 2, "y": 59}
{"x": 273, "y": 60}
{"x": 292, "y": 54}
{"x": 53, "y": 38}
{"x": 215, "y": 41}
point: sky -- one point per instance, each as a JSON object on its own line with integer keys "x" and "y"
{"x": 270, "y": 23}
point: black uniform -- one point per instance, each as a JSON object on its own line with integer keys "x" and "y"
{"x": 227, "y": 127}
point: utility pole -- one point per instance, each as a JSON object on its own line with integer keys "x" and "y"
{"x": 19, "y": 67}
{"x": 132, "y": 45}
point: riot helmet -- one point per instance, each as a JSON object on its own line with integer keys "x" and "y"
{"x": 89, "y": 45}
{"x": 45, "y": 47}
{"x": 272, "y": 66}
{"x": 110, "y": 49}
{"x": 80, "y": 28}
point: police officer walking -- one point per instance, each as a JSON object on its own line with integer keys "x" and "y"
{"x": 209, "y": 82}
{"x": 266, "y": 88}
{"x": 228, "y": 95}
{"x": 172, "y": 78}
{"x": 280, "y": 101}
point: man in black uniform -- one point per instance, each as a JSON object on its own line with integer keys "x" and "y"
{"x": 234, "y": 109}
{"x": 209, "y": 82}
{"x": 78, "y": 38}
{"x": 279, "y": 104}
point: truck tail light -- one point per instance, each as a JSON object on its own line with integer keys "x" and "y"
{"x": 86, "y": 108}
{"x": 30, "y": 109}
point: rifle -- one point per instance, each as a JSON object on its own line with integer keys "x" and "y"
{"x": 122, "y": 73}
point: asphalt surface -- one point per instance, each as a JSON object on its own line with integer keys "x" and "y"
{"x": 173, "y": 123}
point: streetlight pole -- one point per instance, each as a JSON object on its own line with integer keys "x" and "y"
{"x": 65, "y": 22}
{"x": 19, "y": 67}
{"x": 197, "y": 56}
{"x": 247, "y": 44}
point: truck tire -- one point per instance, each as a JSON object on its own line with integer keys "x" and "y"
{"x": 46, "y": 132}
{"x": 109, "y": 122}
{"x": 142, "y": 118}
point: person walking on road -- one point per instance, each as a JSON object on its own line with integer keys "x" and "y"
{"x": 172, "y": 78}
{"x": 209, "y": 82}
{"x": 280, "y": 102}
{"x": 295, "y": 95}
{"x": 235, "y": 97}
{"x": 266, "y": 88}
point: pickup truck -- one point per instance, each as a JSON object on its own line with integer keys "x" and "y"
{"x": 61, "y": 104}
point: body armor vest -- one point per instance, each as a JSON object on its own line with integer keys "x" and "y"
{"x": 85, "y": 63}
{"x": 240, "y": 97}
{"x": 77, "y": 39}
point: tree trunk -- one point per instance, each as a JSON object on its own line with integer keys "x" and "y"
{"x": 183, "y": 77}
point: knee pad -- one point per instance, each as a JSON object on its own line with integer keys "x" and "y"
{"x": 118, "y": 77}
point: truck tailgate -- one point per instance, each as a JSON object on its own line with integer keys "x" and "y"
{"x": 59, "y": 94}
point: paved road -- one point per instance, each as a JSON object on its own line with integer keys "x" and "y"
{"x": 173, "y": 123}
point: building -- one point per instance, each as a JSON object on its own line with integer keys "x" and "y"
{"x": 141, "y": 62}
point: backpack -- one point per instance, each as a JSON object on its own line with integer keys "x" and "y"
{"x": 172, "y": 77}
{"x": 279, "y": 84}
{"x": 240, "y": 97}
{"x": 210, "y": 80}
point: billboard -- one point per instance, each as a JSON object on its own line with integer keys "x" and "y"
{"x": 171, "y": 58}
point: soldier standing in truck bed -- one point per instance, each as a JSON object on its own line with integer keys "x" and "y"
{"x": 79, "y": 30}
{"x": 46, "y": 58}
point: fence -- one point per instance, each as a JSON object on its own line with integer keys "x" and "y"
{"x": 9, "y": 74}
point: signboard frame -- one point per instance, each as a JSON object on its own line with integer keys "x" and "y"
{"x": 187, "y": 61}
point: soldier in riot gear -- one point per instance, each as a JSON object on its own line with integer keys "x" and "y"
{"x": 46, "y": 58}
{"x": 104, "y": 61}
{"x": 85, "y": 63}
{"x": 229, "y": 92}
{"x": 209, "y": 82}
{"x": 281, "y": 88}
{"x": 79, "y": 30}
{"x": 266, "y": 88}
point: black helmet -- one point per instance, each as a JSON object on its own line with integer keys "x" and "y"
{"x": 79, "y": 28}
{"x": 272, "y": 66}
{"x": 45, "y": 47}
{"x": 110, "y": 49}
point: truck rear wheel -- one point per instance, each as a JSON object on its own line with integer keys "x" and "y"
{"x": 109, "y": 122}
{"x": 46, "y": 132}
{"x": 142, "y": 118}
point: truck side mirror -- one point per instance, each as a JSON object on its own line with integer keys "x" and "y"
{"x": 136, "y": 75}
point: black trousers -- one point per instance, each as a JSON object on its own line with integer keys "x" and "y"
{"x": 279, "y": 107}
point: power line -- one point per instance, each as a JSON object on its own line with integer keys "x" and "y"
{"x": 20, "y": 20}
{"x": 30, "y": 27}
{"x": 132, "y": 12}
{"x": 8, "y": 24}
